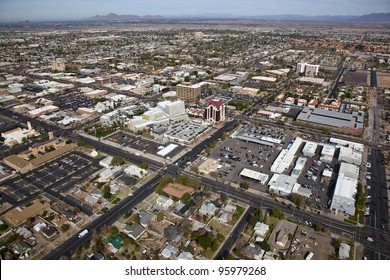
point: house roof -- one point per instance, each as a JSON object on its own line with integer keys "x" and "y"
{"x": 134, "y": 230}
{"x": 116, "y": 241}
{"x": 177, "y": 190}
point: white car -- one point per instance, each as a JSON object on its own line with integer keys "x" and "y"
{"x": 370, "y": 239}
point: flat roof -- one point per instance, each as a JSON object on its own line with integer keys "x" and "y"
{"x": 252, "y": 174}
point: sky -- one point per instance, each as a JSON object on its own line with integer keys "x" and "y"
{"x": 41, "y": 10}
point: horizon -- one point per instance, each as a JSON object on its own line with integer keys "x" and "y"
{"x": 73, "y": 10}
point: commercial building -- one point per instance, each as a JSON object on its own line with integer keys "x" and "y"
{"x": 309, "y": 150}
{"x": 254, "y": 175}
{"x": 209, "y": 165}
{"x": 17, "y": 135}
{"x": 42, "y": 111}
{"x": 188, "y": 92}
{"x": 282, "y": 184}
{"x": 345, "y": 191}
{"x": 215, "y": 111}
{"x": 166, "y": 150}
{"x": 299, "y": 165}
{"x": 164, "y": 113}
{"x": 286, "y": 156}
{"x": 350, "y": 155}
{"x": 327, "y": 153}
{"x": 330, "y": 118}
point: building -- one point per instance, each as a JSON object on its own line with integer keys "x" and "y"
{"x": 254, "y": 175}
{"x": 134, "y": 231}
{"x": 169, "y": 251}
{"x": 185, "y": 256}
{"x": 115, "y": 243}
{"x": 17, "y": 135}
{"x": 350, "y": 155}
{"x": 208, "y": 209}
{"x": 42, "y": 111}
{"x": 308, "y": 69}
{"x": 164, "y": 202}
{"x": 261, "y": 229}
{"x": 309, "y": 150}
{"x": 286, "y": 157}
{"x": 345, "y": 191}
{"x": 209, "y": 165}
{"x": 188, "y": 92}
{"x": 58, "y": 65}
{"x": 327, "y": 153}
{"x": 18, "y": 163}
{"x": 282, "y": 184}
{"x": 215, "y": 111}
{"x": 136, "y": 171}
{"x": 331, "y": 118}
{"x": 299, "y": 165}
{"x": 177, "y": 190}
{"x": 344, "y": 251}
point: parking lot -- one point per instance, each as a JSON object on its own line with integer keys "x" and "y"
{"x": 72, "y": 101}
{"x": 141, "y": 144}
{"x": 234, "y": 155}
{"x": 58, "y": 176}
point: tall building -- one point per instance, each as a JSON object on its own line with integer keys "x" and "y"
{"x": 188, "y": 92}
{"x": 308, "y": 69}
{"x": 215, "y": 111}
{"x": 58, "y": 65}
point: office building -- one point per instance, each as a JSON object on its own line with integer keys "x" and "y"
{"x": 188, "y": 92}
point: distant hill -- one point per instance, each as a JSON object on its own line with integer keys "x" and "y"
{"x": 115, "y": 17}
{"x": 378, "y": 17}
{"x": 371, "y": 18}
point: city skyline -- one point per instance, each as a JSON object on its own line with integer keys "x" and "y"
{"x": 42, "y": 10}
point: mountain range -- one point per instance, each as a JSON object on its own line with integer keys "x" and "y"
{"x": 370, "y": 18}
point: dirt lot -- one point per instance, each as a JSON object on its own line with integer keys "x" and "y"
{"x": 307, "y": 240}
{"x": 383, "y": 80}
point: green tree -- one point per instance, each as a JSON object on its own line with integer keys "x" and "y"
{"x": 223, "y": 197}
{"x": 265, "y": 246}
{"x": 143, "y": 165}
{"x": 277, "y": 213}
{"x": 297, "y": 199}
{"x": 160, "y": 217}
{"x": 244, "y": 185}
{"x": 117, "y": 160}
{"x": 186, "y": 197}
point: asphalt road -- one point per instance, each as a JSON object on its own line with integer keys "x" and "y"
{"x": 379, "y": 200}
{"x": 71, "y": 244}
{"x": 381, "y": 244}
{"x": 235, "y": 235}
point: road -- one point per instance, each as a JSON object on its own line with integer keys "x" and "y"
{"x": 71, "y": 244}
{"x": 359, "y": 234}
{"x": 224, "y": 251}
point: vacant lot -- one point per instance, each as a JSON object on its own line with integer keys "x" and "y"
{"x": 383, "y": 80}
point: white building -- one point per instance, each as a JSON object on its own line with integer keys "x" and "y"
{"x": 106, "y": 162}
{"x": 299, "y": 165}
{"x": 309, "y": 150}
{"x": 345, "y": 191}
{"x": 327, "y": 153}
{"x": 308, "y": 69}
{"x": 282, "y": 184}
{"x": 261, "y": 229}
{"x": 136, "y": 171}
{"x": 286, "y": 157}
{"x": 350, "y": 156}
{"x": 164, "y": 202}
{"x": 254, "y": 175}
{"x": 17, "y": 135}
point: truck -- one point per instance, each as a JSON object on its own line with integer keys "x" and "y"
{"x": 83, "y": 233}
